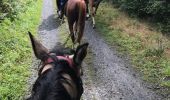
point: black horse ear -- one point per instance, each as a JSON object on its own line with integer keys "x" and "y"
{"x": 80, "y": 53}
{"x": 39, "y": 50}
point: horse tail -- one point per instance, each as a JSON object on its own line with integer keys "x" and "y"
{"x": 81, "y": 20}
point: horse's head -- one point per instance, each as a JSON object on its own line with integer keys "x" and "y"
{"x": 60, "y": 72}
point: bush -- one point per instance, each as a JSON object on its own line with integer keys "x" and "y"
{"x": 11, "y": 8}
{"x": 157, "y": 10}
{"x": 15, "y": 51}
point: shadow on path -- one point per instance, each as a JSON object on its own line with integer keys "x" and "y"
{"x": 49, "y": 24}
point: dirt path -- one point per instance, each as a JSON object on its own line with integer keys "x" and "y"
{"x": 114, "y": 77}
{"x": 48, "y": 34}
{"x": 48, "y": 30}
{"x": 108, "y": 76}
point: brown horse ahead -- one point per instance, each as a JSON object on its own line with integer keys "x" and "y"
{"x": 75, "y": 11}
{"x": 94, "y": 4}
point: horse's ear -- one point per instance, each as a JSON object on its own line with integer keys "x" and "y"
{"x": 80, "y": 54}
{"x": 39, "y": 50}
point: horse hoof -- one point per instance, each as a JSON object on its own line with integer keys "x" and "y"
{"x": 94, "y": 26}
{"x": 87, "y": 16}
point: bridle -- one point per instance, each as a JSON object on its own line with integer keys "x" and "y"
{"x": 54, "y": 59}
{"x": 67, "y": 81}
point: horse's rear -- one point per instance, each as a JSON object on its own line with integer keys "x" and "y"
{"x": 76, "y": 14}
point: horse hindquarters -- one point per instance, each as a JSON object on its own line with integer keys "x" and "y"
{"x": 71, "y": 17}
{"x": 81, "y": 20}
{"x": 76, "y": 13}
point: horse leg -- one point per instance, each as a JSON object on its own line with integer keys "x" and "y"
{"x": 58, "y": 5}
{"x": 71, "y": 32}
{"x": 92, "y": 12}
{"x": 93, "y": 20}
{"x": 58, "y": 8}
{"x": 75, "y": 33}
{"x": 75, "y": 28}
{"x": 80, "y": 22}
{"x": 87, "y": 9}
{"x": 96, "y": 5}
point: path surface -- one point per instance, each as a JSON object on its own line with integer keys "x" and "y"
{"x": 114, "y": 77}
{"x": 108, "y": 77}
{"x": 48, "y": 34}
{"x": 48, "y": 30}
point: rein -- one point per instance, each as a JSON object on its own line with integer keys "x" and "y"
{"x": 61, "y": 22}
{"x": 67, "y": 39}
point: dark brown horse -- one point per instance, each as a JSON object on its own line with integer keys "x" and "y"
{"x": 94, "y": 4}
{"x": 59, "y": 76}
{"x": 75, "y": 11}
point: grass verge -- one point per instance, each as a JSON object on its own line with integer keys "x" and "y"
{"x": 15, "y": 51}
{"x": 149, "y": 49}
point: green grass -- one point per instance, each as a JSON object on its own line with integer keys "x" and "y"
{"x": 148, "y": 57}
{"x": 64, "y": 33}
{"x": 15, "y": 51}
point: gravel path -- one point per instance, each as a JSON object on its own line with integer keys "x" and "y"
{"x": 48, "y": 35}
{"x": 108, "y": 76}
{"x": 114, "y": 77}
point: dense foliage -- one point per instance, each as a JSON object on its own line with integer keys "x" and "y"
{"x": 15, "y": 50}
{"x": 157, "y": 10}
{"x": 11, "y": 8}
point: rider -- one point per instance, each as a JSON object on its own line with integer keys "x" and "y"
{"x": 60, "y": 5}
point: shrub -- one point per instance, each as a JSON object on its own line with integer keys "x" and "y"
{"x": 15, "y": 51}
{"x": 157, "y": 10}
{"x": 11, "y": 8}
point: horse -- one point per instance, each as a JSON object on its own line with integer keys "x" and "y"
{"x": 59, "y": 76}
{"x": 75, "y": 11}
{"x": 94, "y": 4}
